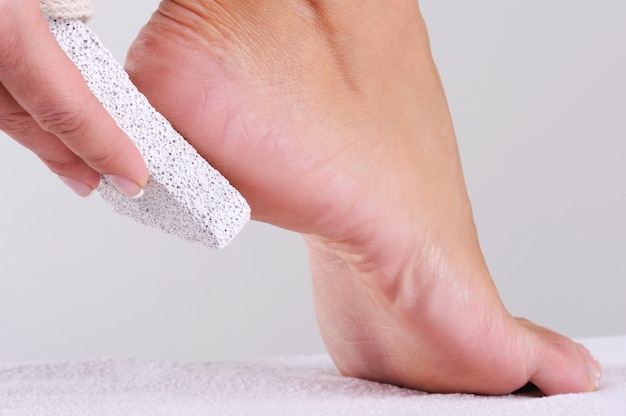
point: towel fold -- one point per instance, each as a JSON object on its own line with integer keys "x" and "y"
{"x": 287, "y": 386}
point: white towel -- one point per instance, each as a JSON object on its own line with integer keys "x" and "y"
{"x": 287, "y": 386}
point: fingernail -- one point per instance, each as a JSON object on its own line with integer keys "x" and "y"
{"x": 127, "y": 187}
{"x": 80, "y": 188}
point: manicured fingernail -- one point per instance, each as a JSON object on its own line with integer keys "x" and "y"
{"x": 80, "y": 188}
{"x": 127, "y": 187}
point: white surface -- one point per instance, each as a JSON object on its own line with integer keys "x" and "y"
{"x": 538, "y": 95}
{"x": 290, "y": 386}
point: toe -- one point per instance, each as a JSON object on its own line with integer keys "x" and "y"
{"x": 561, "y": 366}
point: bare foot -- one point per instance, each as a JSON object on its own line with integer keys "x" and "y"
{"x": 330, "y": 118}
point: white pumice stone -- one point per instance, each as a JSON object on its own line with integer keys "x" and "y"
{"x": 185, "y": 196}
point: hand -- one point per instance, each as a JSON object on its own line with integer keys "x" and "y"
{"x": 330, "y": 118}
{"x": 46, "y": 106}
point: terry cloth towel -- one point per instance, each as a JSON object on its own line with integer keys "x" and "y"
{"x": 286, "y": 386}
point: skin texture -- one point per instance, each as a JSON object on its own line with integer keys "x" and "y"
{"x": 331, "y": 120}
{"x": 46, "y": 106}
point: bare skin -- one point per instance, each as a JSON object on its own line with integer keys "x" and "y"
{"x": 46, "y": 106}
{"x": 331, "y": 119}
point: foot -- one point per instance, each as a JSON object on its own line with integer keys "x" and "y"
{"x": 331, "y": 120}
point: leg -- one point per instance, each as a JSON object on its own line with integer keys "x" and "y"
{"x": 331, "y": 119}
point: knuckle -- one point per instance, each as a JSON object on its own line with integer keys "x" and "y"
{"x": 69, "y": 124}
{"x": 18, "y": 123}
{"x": 101, "y": 158}
{"x": 72, "y": 126}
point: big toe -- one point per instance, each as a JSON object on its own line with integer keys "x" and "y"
{"x": 562, "y": 366}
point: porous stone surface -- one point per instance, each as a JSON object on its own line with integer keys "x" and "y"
{"x": 185, "y": 196}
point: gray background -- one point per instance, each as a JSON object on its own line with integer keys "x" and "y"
{"x": 538, "y": 96}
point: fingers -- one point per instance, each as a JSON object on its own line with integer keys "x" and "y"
{"x": 18, "y": 124}
{"x": 70, "y": 130}
{"x": 561, "y": 365}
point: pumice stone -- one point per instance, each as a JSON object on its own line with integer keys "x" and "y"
{"x": 185, "y": 196}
